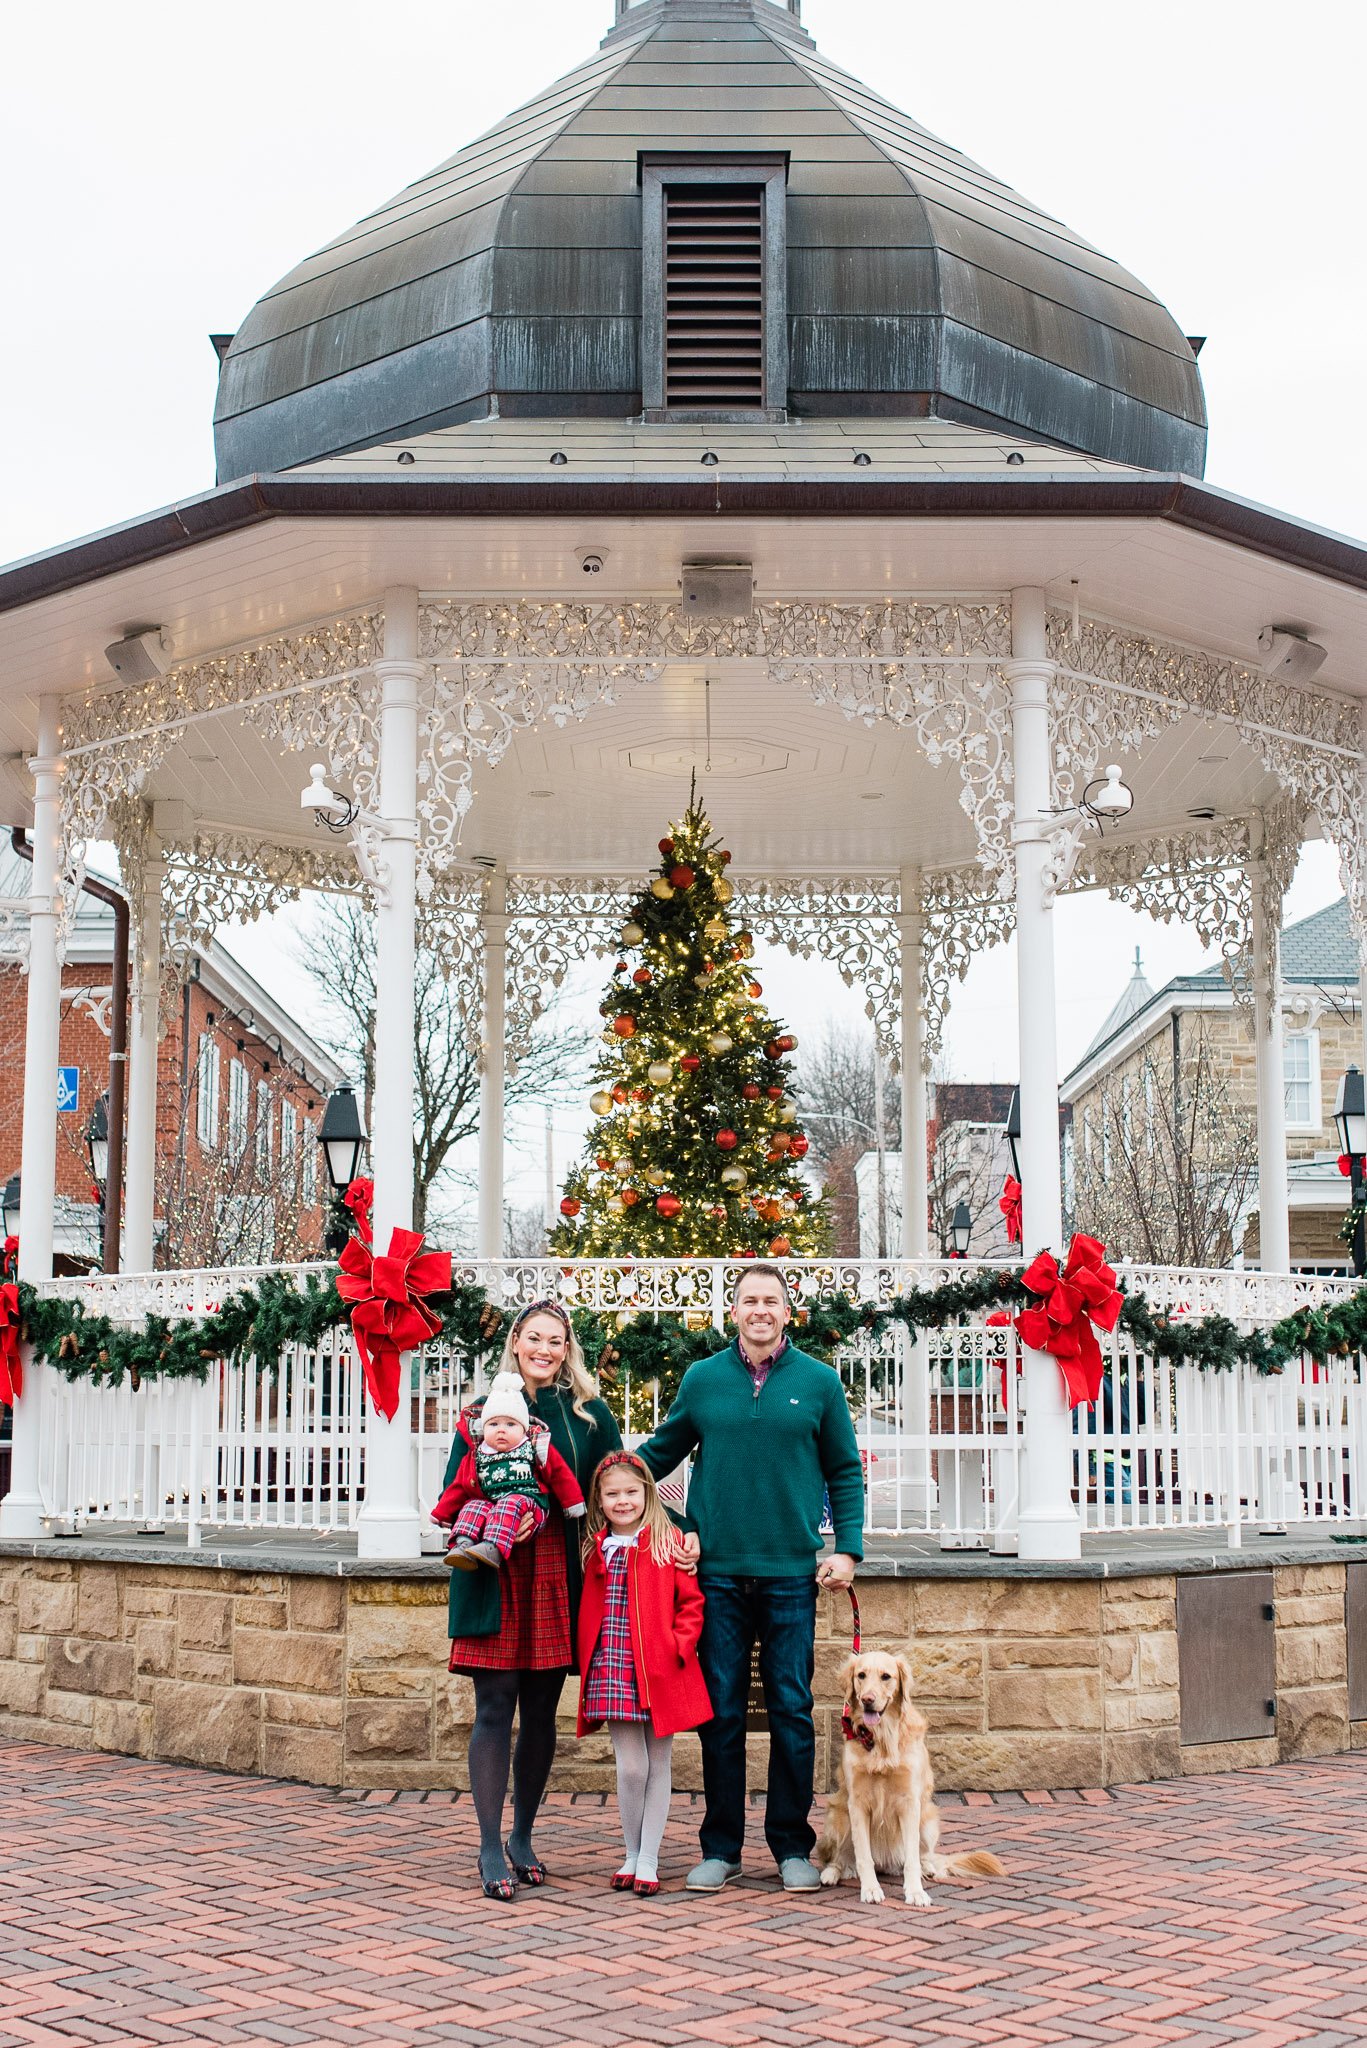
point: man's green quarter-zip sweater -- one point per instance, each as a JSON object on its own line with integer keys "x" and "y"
{"x": 763, "y": 1459}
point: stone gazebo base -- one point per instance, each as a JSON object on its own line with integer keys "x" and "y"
{"x": 294, "y": 1663}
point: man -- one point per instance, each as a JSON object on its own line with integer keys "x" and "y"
{"x": 772, "y": 1435}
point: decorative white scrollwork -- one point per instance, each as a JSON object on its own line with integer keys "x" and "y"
{"x": 961, "y": 918}
{"x": 850, "y": 920}
{"x": 1200, "y": 878}
{"x": 224, "y": 878}
{"x": 554, "y": 922}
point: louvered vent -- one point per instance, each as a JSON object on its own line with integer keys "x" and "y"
{"x": 714, "y": 297}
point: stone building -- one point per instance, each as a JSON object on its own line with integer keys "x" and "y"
{"x": 1150, "y": 1033}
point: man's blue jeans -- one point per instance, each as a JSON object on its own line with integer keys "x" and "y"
{"x": 781, "y": 1615}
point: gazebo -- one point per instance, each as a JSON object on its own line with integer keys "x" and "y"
{"x": 709, "y": 413}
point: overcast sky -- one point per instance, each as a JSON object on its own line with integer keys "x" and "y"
{"x": 164, "y": 164}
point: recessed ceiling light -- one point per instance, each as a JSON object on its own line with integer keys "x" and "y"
{"x": 871, "y": 796}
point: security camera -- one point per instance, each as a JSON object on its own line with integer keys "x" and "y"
{"x": 1289, "y": 655}
{"x": 143, "y": 654}
{"x": 591, "y": 560}
{"x": 325, "y": 803}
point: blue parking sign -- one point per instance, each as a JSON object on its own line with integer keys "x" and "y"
{"x": 68, "y": 1088}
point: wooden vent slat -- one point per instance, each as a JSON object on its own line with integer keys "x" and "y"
{"x": 714, "y": 296}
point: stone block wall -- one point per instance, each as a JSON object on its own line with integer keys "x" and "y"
{"x": 1026, "y": 1683}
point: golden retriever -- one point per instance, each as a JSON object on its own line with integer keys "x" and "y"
{"x": 883, "y": 1814}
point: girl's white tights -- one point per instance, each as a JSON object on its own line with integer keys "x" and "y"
{"x": 644, "y": 1783}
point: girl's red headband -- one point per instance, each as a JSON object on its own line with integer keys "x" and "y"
{"x": 623, "y": 1458}
{"x": 541, "y": 1308}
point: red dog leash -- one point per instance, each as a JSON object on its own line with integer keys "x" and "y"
{"x": 861, "y": 1734}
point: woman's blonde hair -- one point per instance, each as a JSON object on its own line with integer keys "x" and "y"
{"x": 657, "y": 1522}
{"x": 573, "y": 1372}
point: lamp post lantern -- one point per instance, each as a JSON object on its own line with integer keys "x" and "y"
{"x": 960, "y": 1230}
{"x": 342, "y": 1136}
{"x": 97, "y": 1143}
{"x": 1350, "y": 1120}
{"x": 1013, "y": 1132}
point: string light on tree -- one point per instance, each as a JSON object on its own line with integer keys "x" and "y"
{"x": 695, "y": 1151}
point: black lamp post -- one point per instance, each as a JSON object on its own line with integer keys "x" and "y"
{"x": 97, "y": 1143}
{"x": 960, "y": 1230}
{"x": 342, "y": 1137}
{"x": 1013, "y": 1131}
{"x": 9, "y": 1204}
{"x": 1350, "y": 1119}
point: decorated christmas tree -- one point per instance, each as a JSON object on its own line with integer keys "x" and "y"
{"x": 696, "y": 1150}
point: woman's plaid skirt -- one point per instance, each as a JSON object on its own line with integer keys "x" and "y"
{"x": 610, "y": 1684}
{"x": 534, "y": 1629}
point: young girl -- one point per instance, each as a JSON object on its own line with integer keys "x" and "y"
{"x": 639, "y": 1623}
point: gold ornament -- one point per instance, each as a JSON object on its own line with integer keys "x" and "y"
{"x": 624, "y": 1165}
{"x": 723, "y": 891}
{"x": 719, "y": 1044}
{"x": 661, "y": 888}
{"x": 659, "y": 1071}
{"x": 787, "y": 1111}
{"x": 714, "y": 931}
{"x": 631, "y": 934}
{"x": 734, "y": 1176}
{"x": 600, "y": 1102}
{"x": 616, "y": 1205}
{"x": 657, "y": 1176}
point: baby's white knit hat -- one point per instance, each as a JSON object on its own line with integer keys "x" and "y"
{"x": 506, "y": 1398}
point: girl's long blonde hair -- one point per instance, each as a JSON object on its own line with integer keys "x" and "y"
{"x": 657, "y": 1522}
{"x": 573, "y": 1373}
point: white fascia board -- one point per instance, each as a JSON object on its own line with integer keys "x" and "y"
{"x": 226, "y": 979}
{"x": 1144, "y": 1025}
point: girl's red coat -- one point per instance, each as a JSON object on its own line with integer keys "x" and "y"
{"x": 666, "y": 1607}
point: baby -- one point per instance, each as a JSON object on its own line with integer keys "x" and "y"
{"x": 511, "y": 1473}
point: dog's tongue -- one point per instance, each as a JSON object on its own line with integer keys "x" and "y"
{"x": 871, "y": 1717}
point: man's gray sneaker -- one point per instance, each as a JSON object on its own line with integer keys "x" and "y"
{"x": 711, "y": 1874}
{"x": 799, "y": 1875}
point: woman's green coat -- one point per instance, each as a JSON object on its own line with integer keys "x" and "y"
{"x": 583, "y": 1441}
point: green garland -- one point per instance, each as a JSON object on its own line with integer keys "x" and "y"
{"x": 262, "y": 1321}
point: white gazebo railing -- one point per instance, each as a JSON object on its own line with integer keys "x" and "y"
{"x": 940, "y": 1418}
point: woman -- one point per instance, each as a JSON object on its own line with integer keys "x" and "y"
{"x": 512, "y": 1631}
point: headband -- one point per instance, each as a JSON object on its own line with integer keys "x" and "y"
{"x": 622, "y": 1458}
{"x": 541, "y": 1308}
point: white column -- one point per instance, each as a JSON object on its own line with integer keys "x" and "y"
{"x": 494, "y": 1055}
{"x": 21, "y": 1511}
{"x": 1049, "y": 1524}
{"x": 1274, "y": 1210}
{"x": 144, "y": 1048}
{"x": 387, "y": 1526}
{"x": 915, "y": 1189}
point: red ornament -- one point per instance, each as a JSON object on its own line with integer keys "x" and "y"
{"x": 787, "y": 1043}
{"x": 748, "y": 1255}
{"x": 771, "y": 1158}
{"x": 668, "y": 1205}
{"x": 690, "y": 1063}
{"x": 780, "y": 1141}
{"x": 569, "y": 1206}
{"x": 619, "y": 1093}
{"x": 781, "y": 1247}
{"x": 726, "y": 1140}
{"x": 756, "y": 990}
{"x": 725, "y": 858}
{"x": 604, "y": 1161}
{"x": 642, "y": 976}
{"x": 681, "y": 877}
{"x": 630, "y": 1198}
{"x": 751, "y": 1091}
{"x": 620, "y": 968}
{"x": 625, "y": 1027}
{"x": 774, "y": 1049}
{"x": 798, "y": 1145}
{"x": 718, "y": 1212}
{"x": 640, "y": 1095}
{"x": 774, "y": 1094}
{"x": 666, "y": 847}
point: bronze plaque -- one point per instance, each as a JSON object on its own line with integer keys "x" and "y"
{"x": 1355, "y": 1615}
{"x": 1227, "y": 1656}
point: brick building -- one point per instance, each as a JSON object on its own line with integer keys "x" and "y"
{"x": 968, "y": 1160}
{"x": 241, "y": 1090}
{"x": 1150, "y": 1034}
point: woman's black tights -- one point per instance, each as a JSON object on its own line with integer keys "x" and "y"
{"x": 535, "y": 1695}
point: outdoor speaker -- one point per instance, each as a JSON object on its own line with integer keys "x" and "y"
{"x": 140, "y": 655}
{"x": 718, "y": 590}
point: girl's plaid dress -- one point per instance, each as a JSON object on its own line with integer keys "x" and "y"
{"x": 610, "y": 1687}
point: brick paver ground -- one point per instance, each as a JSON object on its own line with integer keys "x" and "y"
{"x": 142, "y": 1903}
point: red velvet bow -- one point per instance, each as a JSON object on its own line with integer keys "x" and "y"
{"x": 1082, "y": 1295}
{"x": 388, "y": 1319}
{"x": 1010, "y": 1206}
{"x": 11, "y": 1364}
{"x": 1346, "y": 1164}
{"x": 360, "y": 1199}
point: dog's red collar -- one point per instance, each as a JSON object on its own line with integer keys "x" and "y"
{"x": 862, "y": 1734}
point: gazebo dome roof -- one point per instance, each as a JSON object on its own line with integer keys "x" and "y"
{"x": 508, "y": 281}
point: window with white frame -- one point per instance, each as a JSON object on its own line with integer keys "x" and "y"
{"x": 309, "y": 1164}
{"x": 238, "y": 1100}
{"x": 265, "y": 1149}
{"x": 1301, "y": 1073}
{"x": 289, "y": 1146}
{"x": 206, "y": 1081}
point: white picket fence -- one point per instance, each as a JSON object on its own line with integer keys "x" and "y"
{"x": 939, "y": 1420}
